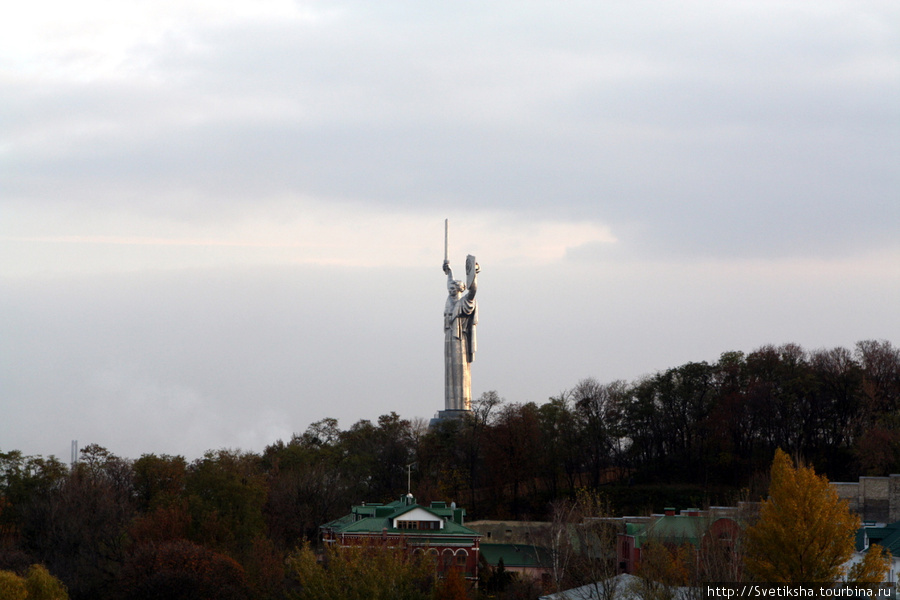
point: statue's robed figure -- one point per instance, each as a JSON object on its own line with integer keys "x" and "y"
{"x": 460, "y": 319}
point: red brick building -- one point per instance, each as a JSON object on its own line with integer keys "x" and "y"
{"x": 716, "y": 528}
{"x": 436, "y": 529}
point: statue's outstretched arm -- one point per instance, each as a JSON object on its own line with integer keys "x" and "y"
{"x": 472, "y": 270}
{"x": 448, "y": 271}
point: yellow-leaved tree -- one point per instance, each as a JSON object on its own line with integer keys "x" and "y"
{"x": 805, "y": 532}
{"x": 368, "y": 572}
{"x": 38, "y": 584}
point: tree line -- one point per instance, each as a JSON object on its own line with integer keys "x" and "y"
{"x": 699, "y": 433}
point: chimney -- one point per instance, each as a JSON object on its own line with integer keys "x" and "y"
{"x": 670, "y": 511}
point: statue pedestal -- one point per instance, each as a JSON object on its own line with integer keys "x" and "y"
{"x": 447, "y": 415}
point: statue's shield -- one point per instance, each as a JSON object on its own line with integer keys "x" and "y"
{"x": 471, "y": 269}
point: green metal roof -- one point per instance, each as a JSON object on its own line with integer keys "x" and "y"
{"x": 379, "y": 524}
{"x": 515, "y": 555}
{"x": 887, "y": 537}
{"x": 676, "y": 529}
{"x": 378, "y": 518}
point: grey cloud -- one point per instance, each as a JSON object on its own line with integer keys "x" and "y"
{"x": 691, "y": 129}
{"x": 740, "y": 130}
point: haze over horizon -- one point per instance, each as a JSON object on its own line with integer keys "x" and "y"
{"x": 222, "y": 222}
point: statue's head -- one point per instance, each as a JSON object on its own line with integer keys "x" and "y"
{"x": 456, "y": 287}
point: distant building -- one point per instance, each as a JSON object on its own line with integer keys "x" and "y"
{"x": 887, "y": 536}
{"x": 522, "y": 533}
{"x": 874, "y": 499}
{"x": 437, "y": 529}
{"x": 526, "y": 560}
{"x": 700, "y": 528}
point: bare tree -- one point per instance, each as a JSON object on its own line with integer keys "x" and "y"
{"x": 583, "y": 546}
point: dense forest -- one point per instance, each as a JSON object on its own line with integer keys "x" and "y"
{"x": 109, "y": 527}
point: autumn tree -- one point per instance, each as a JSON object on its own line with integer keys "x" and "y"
{"x": 77, "y": 528}
{"x": 663, "y": 569}
{"x": 41, "y": 585}
{"x": 12, "y": 587}
{"x": 451, "y": 587}
{"x": 181, "y": 570}
{"x": 37, "y": 584}
{"x": 871, "y": 570}
{"x": 805, "y": 533}
{"x": 371, "y": 572}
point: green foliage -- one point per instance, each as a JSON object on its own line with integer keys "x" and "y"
{"x": 22, "y": 479}
{"x": 805, "y": 533}
{"x": 226, "y": 493}
{"x": 159, "y": 480}
{"x": 362, "y": 573}
{"x": 307, "y": 484}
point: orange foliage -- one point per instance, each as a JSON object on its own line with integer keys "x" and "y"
{"x": 451, "y": 587}
{"x": 181, "y": 570}
{"x": 805, "y": 532}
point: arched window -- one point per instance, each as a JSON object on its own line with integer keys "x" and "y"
{"x": 462, "y": 557}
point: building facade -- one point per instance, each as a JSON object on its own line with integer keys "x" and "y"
{"x": 710, "y": 530}
{"x": 437, "y": 530}
{"x": 874, "y": 499}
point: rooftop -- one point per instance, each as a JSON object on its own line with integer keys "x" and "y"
{"x": 515, "y": 555}
{"x": 437, "y": 519}
{"x": 887, "y": 537}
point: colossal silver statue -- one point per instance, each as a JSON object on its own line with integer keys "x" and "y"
{"x": 460, "y": 319}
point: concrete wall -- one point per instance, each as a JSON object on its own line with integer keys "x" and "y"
{"x": 848, "y": 491}
{"x": 512, "y": 532}
{"x": 893, "y": 498}
{"x": 875, "y": 499}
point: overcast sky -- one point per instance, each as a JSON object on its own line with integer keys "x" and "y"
{"x": 221, "y": 221}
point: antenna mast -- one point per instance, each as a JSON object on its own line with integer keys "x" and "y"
{"x": 409, "y": 478}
